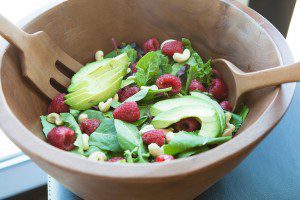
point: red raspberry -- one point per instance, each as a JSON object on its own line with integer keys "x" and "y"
{"x": 62, "y": 137}
{"x": 196, "y": 85}
{"x": 127, "y": 92}
{"x": 115, "y": 159}
{"x": 164, "y": 158}
{"x": 88, "y": 126}
{"x": 154, "y": 136}
{"x": 133, "y": 67}
{"x": 218, "y": 89}
{"x": 168, "y": 80}
{"x": 187, "y": 124}
{"x": 216, "y": 73}
{"x": 128, "y": 112}
{"x": 226, "y": 106}
{"x": 58, "y": 105}
{"x": 172, "y": 47}
{"x": 151, "y": 45}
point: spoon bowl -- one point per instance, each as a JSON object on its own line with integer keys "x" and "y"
{"x": 239, "y": 82}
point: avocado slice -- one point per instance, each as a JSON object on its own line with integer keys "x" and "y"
{"x": 97, "y": 82}
{"x": 165, "y": 105}
{"x": 93, "y": 85}
{"x": 102, "y": 95}
{"x": 103, "y": 83}
{"x": 208, "y": 117}
{"x": 213, "y": 103}
{"x": 95, "y": 69}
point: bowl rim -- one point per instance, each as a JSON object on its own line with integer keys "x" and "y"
{"x": 245, "y": 141}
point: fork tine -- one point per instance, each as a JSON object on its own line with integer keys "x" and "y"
{"x": 61, "y": 78}
{"x": 69, "y": 62}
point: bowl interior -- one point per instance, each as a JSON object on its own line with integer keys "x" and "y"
{"x": 216, "y": 29}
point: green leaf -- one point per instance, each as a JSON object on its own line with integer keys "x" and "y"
{"x": 147, "y": 69}
{"x": 139, "y": 122}
{"x": 94, "y": 114}
{"x": 127, "y": 82}
{"x": 128, "y": 135}
{"x": 183, "y": 141}
{"x": 176, "y": 68}
{"x": 108, "y": 114}
{"x": 238, "y": 119}
{"x": 105, "y": 141}
{"x": 70, "y": 122}
{"x": 91, "y": 150}
{"x": 47, "y": 127}
{"x": 191, "y": 75}
{"x": 75, "y": 113}
{"x": 115, "y": 104}
{"x": 131, "y": 53}
{"x": 138, "y": 96}
{"x": 152, "y": 93}
{"x": 165, "y": 66}
{"x": 105, "y": 137}
{"x": 128, "y": 156}
{"x": 192, "y": 152}
{"x": 187, "y": 44}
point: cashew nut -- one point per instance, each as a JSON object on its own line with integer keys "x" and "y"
{"x": 147, "y": 128}
{"x": 116, "y": 97}
{"x": 169, "y": 136}
{"x": 165, "y": 42}
{"x": 182, "y": 57}
{"x": 85, "y": 141}
{"x": 229, "y": 127}
{"x": 99, "y": 55}
{"x": 82, "y": 117}
{"x": 54, "y": 118}
{"x": 98, "y": 156}
{"x": 128, "y": 70}
{"x": 155, "y": 150}
{"x": 104, "y": 107}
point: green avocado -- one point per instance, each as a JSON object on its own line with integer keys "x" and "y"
{"x": 165, "y": 105}
{"x": 95, "y": 84}
{"x": 215, "y": 104}
{"x": 208, "y": 117}
{"x": 92, "y": 70}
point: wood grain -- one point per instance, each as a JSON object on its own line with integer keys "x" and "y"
{"x": 218, "y": 29}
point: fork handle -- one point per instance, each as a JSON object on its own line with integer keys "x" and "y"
{"x": 12, "y": 33}
{"x": 271, "y": 77}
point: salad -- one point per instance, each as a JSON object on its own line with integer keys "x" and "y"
{"x": 140, "y": 105}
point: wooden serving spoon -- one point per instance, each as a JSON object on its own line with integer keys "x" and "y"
{"x": 45, "y": 64}
{"x": 239, "y": 82}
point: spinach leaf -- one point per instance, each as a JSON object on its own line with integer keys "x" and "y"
{"x": 70, "y": 122}
{"x": 105, "y": 141}
{"x": 192, "y": 152}
{"x": 138, "y": 96}
{"x": 75, "y": 113}
{"x": 139, "y": 122}
{"x": 238, "y": 119}
{"x": 152, "y": 93}
{"x": 91, "y": 150}
{"x": 127, "y": 82}
{"x": 115, "y": 104}
{"x": 191, "y": 75}
{"x": 183, "y": 141}
{"x": 165, "y": 66}
{"x": 147, "y": 69}
{"x": 131, "y": 53}
{"x": 107, "y": 126}
{"x": 128, "y": 135}
{"x": 94, "y": 114}
{"x": 47, "y": 127}
{"x": 105, "y": 137}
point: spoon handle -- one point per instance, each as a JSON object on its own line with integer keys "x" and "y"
{"x": 271, "y": 77}
{"x": 12, "y": 33}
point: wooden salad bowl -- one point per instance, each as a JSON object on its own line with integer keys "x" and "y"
{"x": 217, "y": 29}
